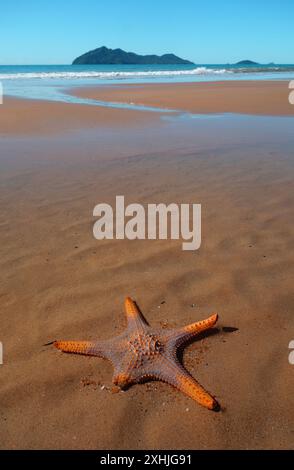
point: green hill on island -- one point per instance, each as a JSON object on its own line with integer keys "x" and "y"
{"x": 103, "y": 55}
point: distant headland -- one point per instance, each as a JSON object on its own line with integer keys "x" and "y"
{"x": 247, "y": 62}
{"x": 103, "y": 55}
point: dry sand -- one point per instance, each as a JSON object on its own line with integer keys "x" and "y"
{"x": 247, "y": 97}
{"x": 58, "y": 282}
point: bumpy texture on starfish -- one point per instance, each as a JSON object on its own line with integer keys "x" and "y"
{"x": 142, "y": 353}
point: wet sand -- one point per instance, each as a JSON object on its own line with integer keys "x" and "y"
{"x": 22, "y": 117}
{"x": 26, "y": 117}
{"x": 246, "y": 97}
{"x": 58, "y": 282}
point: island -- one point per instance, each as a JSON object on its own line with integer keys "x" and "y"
{"x": 247, "y": 62}
{"x": 104, "y": 55}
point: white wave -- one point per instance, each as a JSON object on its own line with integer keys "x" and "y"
{"x": 112, "y": 75}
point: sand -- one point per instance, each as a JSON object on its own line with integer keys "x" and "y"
{"x": 58, "y": 282}
{"x": 247, "y": 97}
{"x": 23, "y": 117}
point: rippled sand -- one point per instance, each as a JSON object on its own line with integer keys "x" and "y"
{"x": 58, "y": 282}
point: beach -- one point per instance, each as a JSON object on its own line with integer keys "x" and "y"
{"x": 229, "y": 147}
{"x": 244, "y": 96}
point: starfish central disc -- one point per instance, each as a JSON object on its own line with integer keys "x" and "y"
{"x": 145, "y": 346}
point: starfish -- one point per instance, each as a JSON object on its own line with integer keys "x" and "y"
{"x": 142, "y": 353}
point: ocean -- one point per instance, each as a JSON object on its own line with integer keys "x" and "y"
{"x": 50, "y": 81}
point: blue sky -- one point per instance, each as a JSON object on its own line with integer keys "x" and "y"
{"x": 215, "y": 31}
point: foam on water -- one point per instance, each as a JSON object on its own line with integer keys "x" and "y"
{"x": 48, "y": 82}
{"x": 133, "y": 73}
{"x": 111, "y": 75}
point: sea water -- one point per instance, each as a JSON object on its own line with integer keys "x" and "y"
{"x": 50, "y": 81}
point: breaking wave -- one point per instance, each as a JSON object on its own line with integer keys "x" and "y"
{"x": 112, "y": 75}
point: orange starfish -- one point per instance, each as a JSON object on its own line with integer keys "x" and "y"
{"x": 142, "y": 353}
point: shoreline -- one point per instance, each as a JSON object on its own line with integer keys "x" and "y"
{"x": 49, "y": 117}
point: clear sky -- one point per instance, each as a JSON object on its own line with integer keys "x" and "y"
{"x": 211, "y": 31}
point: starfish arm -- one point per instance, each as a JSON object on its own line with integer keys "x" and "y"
{"x": 88, "y": 348}
{"x": 173, "y": 373}
{"x": 179, "y": 336}
{"x": 135, "y": 319}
